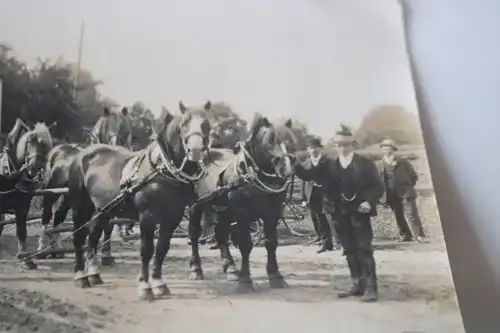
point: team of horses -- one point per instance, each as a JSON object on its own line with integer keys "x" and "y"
{"x": 154, "y": 186}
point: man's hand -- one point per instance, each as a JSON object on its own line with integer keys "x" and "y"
{"x": 364, "y": 207}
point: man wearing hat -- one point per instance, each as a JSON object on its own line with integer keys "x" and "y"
{"x": 355, "y": 189}
{"x": 313, "y": 193}
{"x": 399, "y": 179}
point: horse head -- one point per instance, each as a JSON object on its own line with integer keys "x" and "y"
{"x": 113, "y": 128}
{"x": 188, "y": 135}
{"x": 272, "y": 146}
{"x": 29, "y": 146}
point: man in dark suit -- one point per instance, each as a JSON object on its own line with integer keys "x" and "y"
{"x": 313, "y": 194}
{"x": 355, "y": 189}
{"x": 399, "y": 179}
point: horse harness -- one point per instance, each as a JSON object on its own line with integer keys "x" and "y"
{"x": 8, "y": 166}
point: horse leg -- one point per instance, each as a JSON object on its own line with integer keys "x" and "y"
{"x": 80, "y": 216}
{"x": 95, "y": 234}
{"x": 59, "y": 218}
{"x": 245, "y": 245}
{"x": 167, "y": 229}
{"x": 276, "y": 280}
{"x": 222, "y": 229}
{"x": 43, "y": 239}
{"x": 21, "y": 230}
{"x": 194, "y": 235}
{"x": 106, "y": 257}
{"x": 147, "y": 225}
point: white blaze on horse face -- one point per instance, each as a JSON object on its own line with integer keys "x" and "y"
{"x": 194, "y": 143}
{"x": 288, "y": 170}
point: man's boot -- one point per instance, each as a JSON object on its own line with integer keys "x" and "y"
{"x": 371, "y": 290}
{"x": 326, "y": 234}
{"x": 357, "y": 288}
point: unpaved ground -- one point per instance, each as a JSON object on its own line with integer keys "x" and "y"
{"x": 416, "y": 295}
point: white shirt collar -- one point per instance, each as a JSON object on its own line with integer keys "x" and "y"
{"x": 391, "y": 160}
{"x": 345, "y": 161}
{"x": 315, "y": 160}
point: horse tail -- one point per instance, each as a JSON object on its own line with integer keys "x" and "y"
{"x": 77, "y": 191}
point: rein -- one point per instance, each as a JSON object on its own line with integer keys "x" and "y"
{"x": 253, "y": 171}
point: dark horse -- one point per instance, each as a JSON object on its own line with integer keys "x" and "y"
{"x": 165, "y": 173}
{"x": 266, "y": 162}
{"x": 112, "y": 128}
{"x": 25, "y": 148}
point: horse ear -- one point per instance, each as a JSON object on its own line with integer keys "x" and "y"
{"x": 125, "y": 111}
{"x": 15, "y": 132}
{"x": 207, "y": 106}
{"x": 289, "y": 123}
{"x": 182, "y": 107}
{"x": 106, "y": 112}
{"x": 258, "y": 122}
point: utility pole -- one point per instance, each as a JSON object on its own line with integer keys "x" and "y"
{"x": 79, "y": 63}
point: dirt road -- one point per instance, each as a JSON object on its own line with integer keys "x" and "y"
{"x": 416, "y": 295}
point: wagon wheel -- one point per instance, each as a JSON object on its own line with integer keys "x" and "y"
{"x": 292, "y": 216}
{"x": 256, "y": 231}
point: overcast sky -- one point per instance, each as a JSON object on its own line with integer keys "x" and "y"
{"x": 322, "y": 61}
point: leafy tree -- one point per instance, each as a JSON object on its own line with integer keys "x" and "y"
{"x": 227, "y": 125}
{"x": 142, "y": 122}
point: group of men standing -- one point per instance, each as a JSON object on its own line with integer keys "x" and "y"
{"x": 347, "y": 189}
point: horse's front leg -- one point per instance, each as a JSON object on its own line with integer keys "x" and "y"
{"x": 222, "y": 231}
{"x": 80, "y": 216}
{"x": 245, "y": 245}
{"x": 276, "y": 280}
{"x": 93, "y": 240}
{"x": 167, "y": 228}
{"x": 106, "y": 256}
{"x": 21, "y": 230}
{"x": 196, "y": 272}
{"x": 148, "y": 226}
{"x": 59, "y": 218}
{"x": 48, "y": 202}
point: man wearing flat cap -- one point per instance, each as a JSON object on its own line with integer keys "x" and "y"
{"x": 399, "y": 179}
{"x": 355, "y": 189}
{"x": 313, "y": 194}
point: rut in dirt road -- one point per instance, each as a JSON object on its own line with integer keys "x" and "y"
{"x": 32, "y": 311}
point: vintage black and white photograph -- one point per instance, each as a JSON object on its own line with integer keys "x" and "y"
{"x": 215, "y": 166}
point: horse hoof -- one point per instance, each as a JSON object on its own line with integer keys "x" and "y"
{"x": 245, "y": 287}
{"x": 83, "y": 283}
{"x": 232, "y": 276}
{"x": 278, "y": 283}
{"x": 146, "y": 295}
{"x": 107, "y": 261}
{"x": 95, "y": 279}
{"x": 196, "y": 275}
{"x": 29, "y": 265}
{"x": 161, "y": 291}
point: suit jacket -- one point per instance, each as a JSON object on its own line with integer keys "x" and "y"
{"x": 369, "y": 187}
{"x": 405, "y": 178}
{"x": 311, "y": 174}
